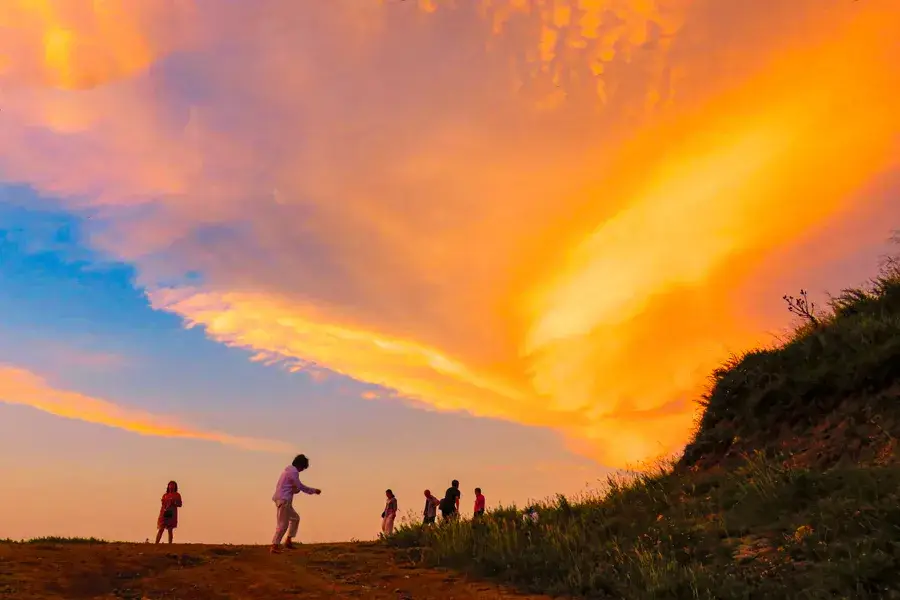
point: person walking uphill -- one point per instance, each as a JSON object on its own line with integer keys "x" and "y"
{"x": 389, "y": 514}
{"x": 450, "y": 503}
{"x": 168, "y": 512}
{"x": 287, "y": 519}
{"x": 431, "y": 506}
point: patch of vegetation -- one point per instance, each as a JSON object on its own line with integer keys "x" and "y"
{"x": 760, "y": 531}
{"x": 60, "y": 540}
{"x": 831, "y": 390}
{"x": 790, "y": 488}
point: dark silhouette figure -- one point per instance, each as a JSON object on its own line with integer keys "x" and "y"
{"x": 450, "y": 503}
{"x": 168, "y": 512}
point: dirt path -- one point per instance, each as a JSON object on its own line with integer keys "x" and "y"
{"x": 194, "y": 572}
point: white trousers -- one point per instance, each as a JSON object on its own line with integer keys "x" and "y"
{"x": 287, "y": 520}
{"x": 387, "y": 525}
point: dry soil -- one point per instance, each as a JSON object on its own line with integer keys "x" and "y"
{"x": 199, "y": 572}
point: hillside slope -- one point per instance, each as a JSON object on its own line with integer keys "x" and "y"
{"x": 789, "y": 489}
{"x": 829, "y": 394}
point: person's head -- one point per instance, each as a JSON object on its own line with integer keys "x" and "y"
{"x": 389, "y": 493}
{"x": 171, "y": 487}
{"x": 428, "y": 493}
{"x": 301, "y": 463}
{"x": 454, "y": 483}
{"x": 477, "y": 491}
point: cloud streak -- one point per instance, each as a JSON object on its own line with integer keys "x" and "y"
{"x": 22, "y": 387}
{"x": 526, "y": 210}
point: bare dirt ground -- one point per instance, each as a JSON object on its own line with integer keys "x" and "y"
{"x": 199, "y": 572}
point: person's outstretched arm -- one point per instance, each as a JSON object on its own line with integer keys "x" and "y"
{"x": 306, "y": 489}
{"x": 299, "y": 487}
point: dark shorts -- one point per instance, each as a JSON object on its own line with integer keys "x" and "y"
{"x": 429, "y": 520}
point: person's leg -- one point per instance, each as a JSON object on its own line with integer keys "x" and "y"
{"x": 293, "y": 525}
{"x": 170, "y": 534}
{"x": 159, "y": 534}
{"x": 389, "y": 525}
{"x": 281, "y": 523}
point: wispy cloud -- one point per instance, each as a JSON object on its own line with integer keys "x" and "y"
{"x": 60, "y": 355}
{"x": 22, "y": 387}
{"x": 527, "y": 212}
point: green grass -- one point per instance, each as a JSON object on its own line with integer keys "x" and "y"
{"x": 55, "y": 540}
{"x": 762, "y": 530}
{"x": 789, "y": 489}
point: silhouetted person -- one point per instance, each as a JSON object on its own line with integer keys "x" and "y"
{"x": 478, "y": 511}
{"x": 287, "y": 519}
{"x": 168, "y": 512}
{"x": 431, "y": 506}
{"x": 450, "y": 503}
{"x": 389, "y": 514}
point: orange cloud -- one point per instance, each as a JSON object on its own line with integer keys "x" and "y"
{"x": 18, "y": 386}
{"x": 526, "y": 210}
{"x": 69, "y": 44}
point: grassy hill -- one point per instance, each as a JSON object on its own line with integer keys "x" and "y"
{"x": 789, "y": 489}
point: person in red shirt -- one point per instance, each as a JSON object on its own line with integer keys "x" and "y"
{"x": 168, "y": 512}
{"x": 479, "y": 504}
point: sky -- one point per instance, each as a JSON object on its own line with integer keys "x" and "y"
{"x": 502, "y": 241}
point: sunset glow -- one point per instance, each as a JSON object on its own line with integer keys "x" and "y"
{"x": 533, "y": 211}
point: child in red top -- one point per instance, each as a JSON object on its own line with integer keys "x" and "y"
{"x": 479, "y": 504}
{"x": 168, "y": 512}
